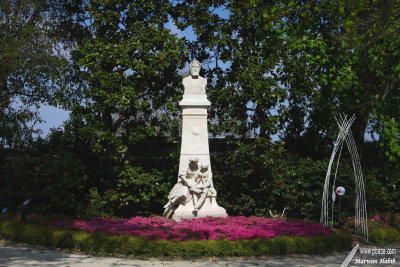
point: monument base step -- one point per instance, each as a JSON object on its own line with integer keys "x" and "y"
{"x": 209, "y": 208}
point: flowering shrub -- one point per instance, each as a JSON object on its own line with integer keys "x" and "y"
{"x": 208, "y": 228}
{"x": 41, "y": 233}
{"x": 378, "y": 221}
{"x": 382, "y": 228}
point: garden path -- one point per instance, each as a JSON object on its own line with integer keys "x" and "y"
{"x": 17, "y": 255}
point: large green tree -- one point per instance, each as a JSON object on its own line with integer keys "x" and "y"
{"x": 35, "y": 38}
{"x": 294, "y": 65}
{"x": 130, "y": 63}
{"x": 243, "y": 48}
{"x": 342, "y": 57}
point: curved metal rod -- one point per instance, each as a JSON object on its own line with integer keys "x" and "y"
{"x": 334, "y": 181}
{"x": 344, "y": 126}
{"x": 345, "y": 135}
{"x": 361, "y": 205}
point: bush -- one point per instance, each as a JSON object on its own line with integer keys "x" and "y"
{"x": 55, "y": 183}
{"x": 270, "y": 177}
{"x": 136, "y": 191}
{"x": 66, "y": 176}
{"x": 62, "y": 184}
{"x": 387, "y": 235}
{"x": 205, "y": 228}
{"x": 396, "y": 222}
{"x": 126, "y": 245}
{"x": 383, "y": 228}
{"x": 377, "y": 221}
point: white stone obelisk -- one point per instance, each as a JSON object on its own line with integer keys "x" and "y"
{"x": 195, "y": 173}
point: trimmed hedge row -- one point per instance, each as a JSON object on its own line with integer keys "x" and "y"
{"x": 127, "y": 245}
{"x": 386, "y": 235}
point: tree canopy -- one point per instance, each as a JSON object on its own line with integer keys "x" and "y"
{"x": 130, "y": 63}
{"x": 274, "y": 68}
{"x": 34, "y": 67}
{"x": 293, "y": 64}
{"x": 280, "y": 67}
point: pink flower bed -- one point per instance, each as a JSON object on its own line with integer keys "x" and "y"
{"x": 208, "y": 228}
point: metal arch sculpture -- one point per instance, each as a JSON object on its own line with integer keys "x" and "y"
{"x": 345, "y": 135}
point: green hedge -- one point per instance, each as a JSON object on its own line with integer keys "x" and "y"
{"x": 270, "y": 177}
{"x": 126, "y": 245}
{"x": 387, "y": 235}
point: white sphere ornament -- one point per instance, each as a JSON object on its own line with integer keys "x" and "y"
{"x": 340, "y": 191}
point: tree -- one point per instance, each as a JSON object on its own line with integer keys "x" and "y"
{"x": 341, "y": 58}
{"x": 307, "y": 61}
{"x": 247, "y": 97}
{"x": 33, "y": 69}
{"x": 130, "y": 63}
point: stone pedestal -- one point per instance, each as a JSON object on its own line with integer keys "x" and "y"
{"x": 194, "y": 129}
{"x": 195, "y": 144}
{"x": 209, "y": 208}
{"x": 194, "y": 194}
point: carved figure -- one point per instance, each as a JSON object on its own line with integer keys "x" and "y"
{"x": 180, "y": 193}
{"x": 194, "y": 84}
{"x": 204, "y": 187}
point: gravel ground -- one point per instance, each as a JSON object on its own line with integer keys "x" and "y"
{"x": 21, "y": 255}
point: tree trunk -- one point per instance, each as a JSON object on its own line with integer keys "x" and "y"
{"x": 358, "y": 129}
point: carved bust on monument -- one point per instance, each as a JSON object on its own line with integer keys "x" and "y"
{"x": 194, "y": 194}
{"x": 194, "y": 84}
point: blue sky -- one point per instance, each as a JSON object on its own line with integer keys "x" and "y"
{"x": 53, "y": 118}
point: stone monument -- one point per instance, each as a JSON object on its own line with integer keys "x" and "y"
{"x": 194, "y": 194}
